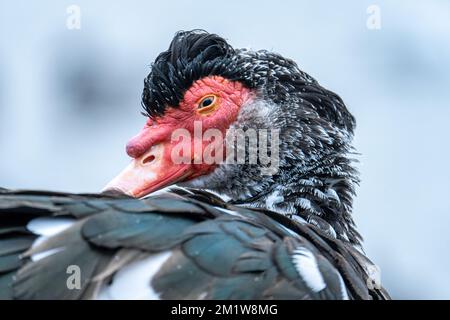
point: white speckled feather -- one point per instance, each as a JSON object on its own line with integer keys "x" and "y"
{"x": 133, "y": 282}
{"x": 307, "y": 267}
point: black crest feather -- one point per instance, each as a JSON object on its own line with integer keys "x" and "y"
{"x": 196, "y": 54}
{"x": 192, "y": 55}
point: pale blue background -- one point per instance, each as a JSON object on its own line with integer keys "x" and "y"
{"x": 69, "y": 100}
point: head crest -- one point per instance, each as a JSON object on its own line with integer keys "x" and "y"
{"x": 192, "y": 55}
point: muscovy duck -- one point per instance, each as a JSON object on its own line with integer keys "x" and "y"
{"x": 227, "y": 231}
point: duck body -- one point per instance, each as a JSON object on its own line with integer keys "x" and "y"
{"x": 180, "y": 244}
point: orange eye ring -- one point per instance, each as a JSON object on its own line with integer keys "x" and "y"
{"x": 208, "y": 104}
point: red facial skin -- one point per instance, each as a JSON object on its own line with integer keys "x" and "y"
{"x": 152, "y": 148}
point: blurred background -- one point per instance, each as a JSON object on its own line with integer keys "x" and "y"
{"x": 70, "y": 99}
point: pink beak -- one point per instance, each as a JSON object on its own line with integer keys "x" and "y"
{"x": 152, "y": 167}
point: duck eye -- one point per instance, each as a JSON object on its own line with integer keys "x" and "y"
{"x": 208, "y": 105}
{"x": 206, "y": 102}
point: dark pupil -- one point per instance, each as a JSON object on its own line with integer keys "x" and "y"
{"x": 207, "y": 102}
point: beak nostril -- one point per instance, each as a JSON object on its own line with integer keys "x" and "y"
{"x": 148, "y": 159}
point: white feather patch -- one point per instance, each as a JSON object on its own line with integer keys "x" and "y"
{"x": 133, "y": 282}
{"x": 224, "y": 197}
{"x": 273, "y": 199}
{"x": 233, "y": 213}
{"x": 44, "y": 254}
{"x": 307, "y": 267}
{"x": 344, "y": 294}
{"x": 49, "y": 226}
{"x": 299, "y": 219}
